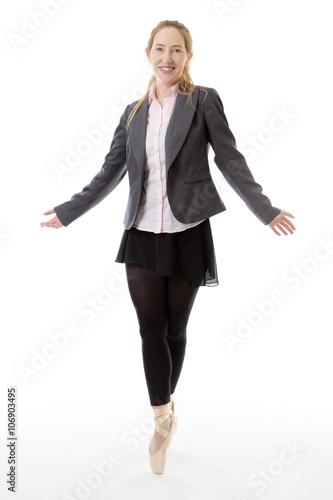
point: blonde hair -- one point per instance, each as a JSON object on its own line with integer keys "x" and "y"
{"x": 186, "y": 79}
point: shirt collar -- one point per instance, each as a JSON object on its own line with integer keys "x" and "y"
{"x": 172, "y": 91}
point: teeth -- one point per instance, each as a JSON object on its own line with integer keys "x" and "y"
{"x": 167, "y": 69}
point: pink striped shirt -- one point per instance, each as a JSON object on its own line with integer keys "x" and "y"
{"x": 154, "y": 213}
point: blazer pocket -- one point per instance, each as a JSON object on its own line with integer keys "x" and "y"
{"x": 200, "y": 179}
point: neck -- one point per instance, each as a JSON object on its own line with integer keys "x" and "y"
{"x": 161, "y": 89}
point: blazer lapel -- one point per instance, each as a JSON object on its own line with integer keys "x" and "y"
{"x": 138, "y": 134}
{"x": 179, "y": 125}
{"x": 176, "y": 133}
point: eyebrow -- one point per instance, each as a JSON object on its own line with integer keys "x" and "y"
{"x": 161, "y": 44}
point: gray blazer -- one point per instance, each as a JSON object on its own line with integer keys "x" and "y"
{"x": 191, "y": 191}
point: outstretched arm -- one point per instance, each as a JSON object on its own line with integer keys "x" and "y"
{"x": 109, "y": 176}
{"x": 232, "y": 163}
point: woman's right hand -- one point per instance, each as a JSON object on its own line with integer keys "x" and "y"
{"x": 55, "y": 222}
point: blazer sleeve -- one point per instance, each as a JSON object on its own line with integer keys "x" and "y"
{"x": 231, "y": 162}
{"x": 112, "y": 172}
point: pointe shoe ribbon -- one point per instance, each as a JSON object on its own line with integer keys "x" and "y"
{"x": 160, "y": 419}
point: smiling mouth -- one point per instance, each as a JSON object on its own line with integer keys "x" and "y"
{"x": 165, "y": 69}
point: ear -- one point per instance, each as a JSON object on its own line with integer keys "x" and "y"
{"x": 148, "y": 55}
{"x": 189, "y": 57}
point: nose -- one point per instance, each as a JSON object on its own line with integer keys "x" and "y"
{"x": 167, "y": 56}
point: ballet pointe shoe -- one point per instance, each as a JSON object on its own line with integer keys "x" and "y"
{"x": 166, "y": 424}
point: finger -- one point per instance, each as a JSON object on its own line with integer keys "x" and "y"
{"x": 282, "y": 229}
{"x": 278, "y": 227}
{"x": 49, "y": 212}
{"x": 285, "y": 218}
{"x": 288, "y": 228}
{"x": 274, "y": 230}
{"x": 51, "y": 223}
{"x": 289, "y": 224}
{"x": 289, "y": 214}
{"x": 286, "y": 223}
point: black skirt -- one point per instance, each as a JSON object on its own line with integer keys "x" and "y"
{"x": 187, "y": 254}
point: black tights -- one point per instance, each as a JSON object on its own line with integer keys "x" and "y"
{"x": 163, "y": 305}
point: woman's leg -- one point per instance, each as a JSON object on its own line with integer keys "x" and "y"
{"x": 181, "y": 296}
{"x": 163, "y": 306}
{"x": 148, "y": 292}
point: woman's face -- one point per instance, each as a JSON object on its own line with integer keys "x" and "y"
{"x": 168, "y": 56}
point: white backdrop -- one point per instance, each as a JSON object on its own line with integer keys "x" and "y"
{"x": 254, "y": 399}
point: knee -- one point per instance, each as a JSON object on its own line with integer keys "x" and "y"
{"x": 154, "y": 332}
{"x": 176, "y": 332}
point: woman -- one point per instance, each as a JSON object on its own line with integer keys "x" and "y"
{"x": 167, "y": 247}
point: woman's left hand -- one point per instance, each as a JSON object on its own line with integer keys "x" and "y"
{"x": 282, "y": 223}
